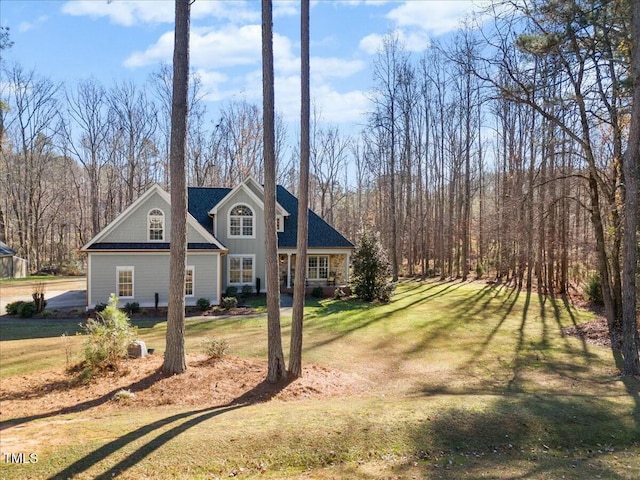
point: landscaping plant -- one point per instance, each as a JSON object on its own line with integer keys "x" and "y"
{"x": 107, "y": 339}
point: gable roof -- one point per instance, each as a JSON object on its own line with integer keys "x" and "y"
{"x": 245, "y": 187}
{"x": 203, "y": 200}
{"x": 6, "y": 249}
{"x": 155, "y": 188}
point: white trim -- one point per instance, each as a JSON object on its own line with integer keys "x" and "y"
{"x": 243, "y": 186}
{"x": 164, "y": 230}
{"x": 253, "y": 269}
{"x": 318, "y": 267}
{"x": 133, "y": 281}
{"x": 89, "y": 282}
{"x": 155, "y": 188}
{"x": 193, "y": 280}
{"x": 253, "y": 217}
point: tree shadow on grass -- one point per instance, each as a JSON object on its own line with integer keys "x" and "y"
{"x": 262, "y": 392}
{"x": 528, "y": 430}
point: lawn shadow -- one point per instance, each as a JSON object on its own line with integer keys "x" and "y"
{"x": 543, "y": 434}
{"x": 262, "y": 392}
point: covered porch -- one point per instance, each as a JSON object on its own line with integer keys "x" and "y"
{"x": 325, "y": 268}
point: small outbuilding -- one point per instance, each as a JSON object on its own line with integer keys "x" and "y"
{"x": 11, "y": 266}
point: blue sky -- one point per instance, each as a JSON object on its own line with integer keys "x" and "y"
{"x": 126, "y": 40}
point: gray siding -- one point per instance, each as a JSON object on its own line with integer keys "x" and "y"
{"x": 250, "y": 246}
{"x": 151, "y": 275}
{"x": 134, "y": 227}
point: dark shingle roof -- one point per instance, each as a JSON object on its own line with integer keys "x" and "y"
{"x": 6, "y": 249}
{"x": 135, "y": 246}
{"x": 321, "y": 234}
{"x": 201, "y": 200}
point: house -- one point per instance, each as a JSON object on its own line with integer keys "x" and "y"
{"x": 225, "y": 247}
{"x": 11, "y": 266}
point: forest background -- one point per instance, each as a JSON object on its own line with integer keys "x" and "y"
{"x": 498, "y": 155}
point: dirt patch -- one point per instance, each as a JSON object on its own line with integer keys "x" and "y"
{"x": 595, "y": 332}
{"x": 231, "y": 380}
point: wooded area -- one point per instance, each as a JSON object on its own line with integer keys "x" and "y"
{"x": 500, "y": 155}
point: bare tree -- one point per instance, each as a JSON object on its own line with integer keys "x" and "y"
{"x": 174, "y": 357}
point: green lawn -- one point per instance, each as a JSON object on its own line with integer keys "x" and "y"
{"x": 466, "y": 381}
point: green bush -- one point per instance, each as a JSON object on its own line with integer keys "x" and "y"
{"x": 214, "y": 349}
{"x": 338, "y": 293}
{"x": 13, "y": 308}
{"x": 317, "y": 292}
{"x": 231, "y": 292}
{"x": 107, "y": 340}
{"x": 100, "y": 307}
{"x": 203, "y": 304}
{"x": 247, "y": 290}
{"x": 27, "y": 310}
{"x": 229, "y": 302}
{"x": 371, "y": 270}
{"x": 132, "y": 307}
{"x": 593, "y": 289}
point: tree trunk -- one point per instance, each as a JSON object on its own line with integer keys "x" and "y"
{"x": 630, "y": 260}
{"x": 174, "y": 357}
{"x": 295, "y": 352}
{"x": 276, "y": 369}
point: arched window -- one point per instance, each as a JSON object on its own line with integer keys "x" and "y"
{"x": 241, "y": 221}
{"x": 156, "y": 225}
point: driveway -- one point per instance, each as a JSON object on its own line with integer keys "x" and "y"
{"x": 64, "y": 294}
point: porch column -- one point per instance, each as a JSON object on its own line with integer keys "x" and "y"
{"x": 346, "y": 268}
{"x": 288, "y": 270}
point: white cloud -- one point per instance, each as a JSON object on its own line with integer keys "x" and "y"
{"x": 134, "y": 12}
{"x": 435, "y": 17}
{"x": 286, "y": 8}
{"x": 413, "y": 40}
{"x": 26, "y": 26}
{"x": 323, "y": 68}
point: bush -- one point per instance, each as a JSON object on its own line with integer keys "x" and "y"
{"x": 371, "y": 270}
{"x": 229, "y": 302}
{"x": 203, "y": 304}
{"x": 231, "y": 292}
{"x": 106, "y": 341}
{"x": 479, "y": 271}
{"x": 338, "y": 293}
{"x": 317, "y": 292}
{"x": 27, "y": 310}
{"x": 593, "y": 289}
{"x": 132, "y": 307}
{"x": 247, "y": 290}
{"x": 214, "y": 349}
{"x": 100, "y": 307}
{"x": 14, "y": 308}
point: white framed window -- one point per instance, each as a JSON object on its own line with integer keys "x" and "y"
{"x": 189, "y": 281}
{"x": 241, "y": 269}
{"x": 155, "y": 225}
{"x": 241, "y": 222}
{"x": 318, "y": 267}
{"x": 125, "y": 282}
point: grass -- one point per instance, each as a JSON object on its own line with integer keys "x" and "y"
{"x": 466, "y": 381}
{"x": 34, "y": 278}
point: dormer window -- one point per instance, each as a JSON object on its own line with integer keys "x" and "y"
{"x": 156, "y": 225}
{"x": 241, "y": 222}
{"x": 279, "y": 223}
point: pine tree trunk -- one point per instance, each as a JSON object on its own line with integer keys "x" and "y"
{"x": 174, "y": 357}
{"x": 276, "y": 369}
{"x": 295, "y": 351}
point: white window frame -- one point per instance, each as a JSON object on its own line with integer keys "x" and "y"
{"x": 193, "y": 280}
{"x": 241, "y": 218}
{"x": 163, "y": 236}
{"x": 317, "y": 268}
{"x": 241, "y": 257}
{"x": 133, "y": 281}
